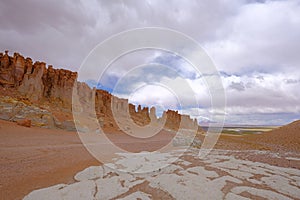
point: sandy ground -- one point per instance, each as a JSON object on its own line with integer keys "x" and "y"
{"x": 34, "y": 158}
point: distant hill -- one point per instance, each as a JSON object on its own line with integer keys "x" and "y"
{"x": 286, "y": 137}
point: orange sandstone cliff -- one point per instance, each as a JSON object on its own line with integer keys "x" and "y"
{"x": 32, "y": 90}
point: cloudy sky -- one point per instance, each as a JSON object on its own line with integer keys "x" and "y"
{"x": 255, "y": 46}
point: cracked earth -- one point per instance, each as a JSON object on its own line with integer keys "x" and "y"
{"x": 222, "y": 174}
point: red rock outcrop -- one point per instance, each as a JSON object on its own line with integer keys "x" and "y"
{"x": 141, "y": 115}
{"x": 109, "y": 107}
{"x": 32, "y": 86}
{"x": 54, "y": 88}
{"x": 173, "y": 119}
{"x": 24, "y": 122}
{"x": 58, "y": 85}
{"x": 35, "y": 81}
{"x": 12, "y": 69}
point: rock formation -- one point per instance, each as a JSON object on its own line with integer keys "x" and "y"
{"x": 24, "y": 122}
{"x": 58, "y": 85}
{"x": 35, "y": 81}
{"x": 31, "y": 85}
{"x": 52, "y": 88}
{"x": 17, "y": 109}
{"x": 173, "y": 119}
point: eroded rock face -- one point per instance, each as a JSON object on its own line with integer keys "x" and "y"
{"x": 24, "y": 122}
{"x": 13, "y": 109}
{"x": 35, "y": 81}
{"x": 20, "y": 68}
{"x": 109, "y": 107}
{"x": 58, "y": 85}
{"x": 32, "y": 85}
{"x": 188, "y": 123}
{"x": 141, "y": 116}
{"x": 152, "y": 115}
{"x": 173, "y": 119}
{"x": 11, "y": 69}
{"x": 54, "y": 87}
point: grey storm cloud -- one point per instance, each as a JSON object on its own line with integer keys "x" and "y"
{"x": 32, "y": 16}
{"x": 63, "y": 32}
{"x": 237, "y": 86}
{"x": 239, "y": 35}
{"x": 292, "y": 81}
{"x": 257, "y": 38}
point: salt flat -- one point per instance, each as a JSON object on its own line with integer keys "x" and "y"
{"x": 154, "y": 175}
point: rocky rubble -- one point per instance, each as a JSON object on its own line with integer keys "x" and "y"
{"x": 14, "y": 110}
{"x": 24, "y": 122}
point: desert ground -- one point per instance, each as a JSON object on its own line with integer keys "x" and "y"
{"x": 41, "y": 163}
{"x": 32, "y": 158}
